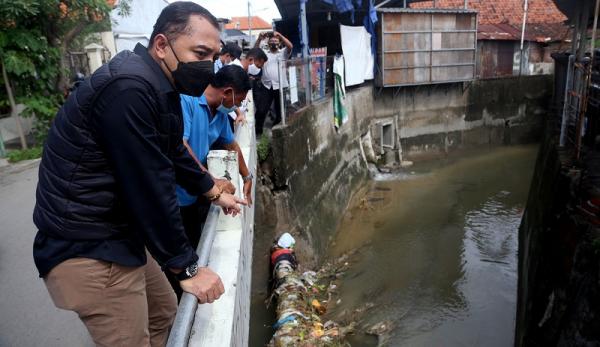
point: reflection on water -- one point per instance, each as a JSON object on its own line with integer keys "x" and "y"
{"x": 439, "y": 250}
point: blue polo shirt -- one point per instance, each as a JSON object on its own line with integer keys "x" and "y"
{"x": 201, "y": 130}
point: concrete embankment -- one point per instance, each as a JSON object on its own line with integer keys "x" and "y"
{"x": 559, "y": 253}
{"x": 439, "y": 118}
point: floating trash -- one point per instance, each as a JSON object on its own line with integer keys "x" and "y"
{"x": 302, "y": 300}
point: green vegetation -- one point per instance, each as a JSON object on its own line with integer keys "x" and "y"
{"x": 35, "y": 37}
{"x": 596, "y": 245}
{"x": 263, "y": 147}
{"x": 24, "y": 154}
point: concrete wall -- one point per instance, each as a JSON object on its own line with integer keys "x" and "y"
{"x": 438, "y": 118}
{"x": 559, "y": 253}
{"x": 312, "y": 173}
{"x": 8, "y": 126}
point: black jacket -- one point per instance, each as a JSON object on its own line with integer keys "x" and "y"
{"x": 107, "y": 177}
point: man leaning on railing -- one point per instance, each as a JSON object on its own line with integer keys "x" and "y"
{"x": 205, "y": 124}
{"x": 106, "y": 189}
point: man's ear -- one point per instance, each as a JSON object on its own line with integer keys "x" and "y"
{"x": 228, "y": 91}
{"x": 160, "y": 45}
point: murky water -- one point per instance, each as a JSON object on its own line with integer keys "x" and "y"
{"x": 438, "y": 251}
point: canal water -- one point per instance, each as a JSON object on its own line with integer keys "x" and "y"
{"x": 437, "y": 251}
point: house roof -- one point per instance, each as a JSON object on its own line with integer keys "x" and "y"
{"x": 233, "y": 32}
{"x": 502, "y": 20}
{"x": 536, "y": 32}
{"x": 290, "y": 9}
{"x": 241, "y": 23}
{"x": 424, "y": 10}
{"x": 504, "y": 11}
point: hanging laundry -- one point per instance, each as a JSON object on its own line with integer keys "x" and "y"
{"x": 358, "y": 56}
{"x": 340, "y": 115}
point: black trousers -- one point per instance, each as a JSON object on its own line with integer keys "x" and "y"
{"x": 193, "y": 217}
{"x": 263, "y": 98}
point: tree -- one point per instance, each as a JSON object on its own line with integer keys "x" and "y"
{"x": 35, "y": 36}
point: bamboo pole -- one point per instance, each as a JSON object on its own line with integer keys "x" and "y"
{"x": 13, "y": 106}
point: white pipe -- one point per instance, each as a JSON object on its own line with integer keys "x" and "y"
{"x": 385, "y": 2}
{"x": 525, "y": 8}
{"x": 249, "y": 23}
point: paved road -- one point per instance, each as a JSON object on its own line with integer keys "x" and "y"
{"x": 27, "y": 315}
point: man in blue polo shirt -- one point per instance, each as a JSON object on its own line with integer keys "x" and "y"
{"x": 206, "y": 124}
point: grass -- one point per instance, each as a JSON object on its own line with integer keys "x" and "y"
{"x": 24, "y": 154}
{"x": 263, "y": 147}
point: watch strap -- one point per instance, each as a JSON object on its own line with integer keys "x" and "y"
{"x": 187, "y": 273}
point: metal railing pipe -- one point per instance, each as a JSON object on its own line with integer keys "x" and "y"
{"x": 180, "y": 333}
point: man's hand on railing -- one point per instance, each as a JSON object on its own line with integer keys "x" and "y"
{"x": 241, "y": 117}
{"x": 248, "y": 191}
{"x": 206, "y": 285}
{"x": 229, "y": 203}
{"x": 225, "y": 185}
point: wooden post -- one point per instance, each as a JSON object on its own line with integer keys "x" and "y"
{"x": 13, "y": 106}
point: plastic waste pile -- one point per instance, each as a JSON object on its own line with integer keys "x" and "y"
{"x": 299, "y": 308}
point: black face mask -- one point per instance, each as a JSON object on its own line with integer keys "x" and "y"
{"x": 273, "y": 45}
{"x": 192, "y": 78}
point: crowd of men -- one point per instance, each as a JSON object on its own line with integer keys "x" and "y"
{"x": 123, "y": 188}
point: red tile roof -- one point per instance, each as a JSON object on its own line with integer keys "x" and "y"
{"x": 502, "y": 19}
{"x": 504, "y": 11}
{"x": 539, "y": 32}
{"x": 241, "y": 23}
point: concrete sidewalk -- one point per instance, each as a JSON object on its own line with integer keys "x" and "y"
{"x": 27, "y": 315}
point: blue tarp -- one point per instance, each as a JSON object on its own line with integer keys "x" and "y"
{"x": 342, "y": 5}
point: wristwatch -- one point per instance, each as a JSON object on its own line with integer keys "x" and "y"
{"x": 188, "y": 272}
{"x": 248, "y": 178}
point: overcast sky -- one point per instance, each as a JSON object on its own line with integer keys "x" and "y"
{"x": 236, "y": 8}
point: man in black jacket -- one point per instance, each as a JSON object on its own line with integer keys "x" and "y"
{"x": 106, "y": 191}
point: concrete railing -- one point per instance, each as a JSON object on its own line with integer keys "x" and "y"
{"x": 225, "y": 247}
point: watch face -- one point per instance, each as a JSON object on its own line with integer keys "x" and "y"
{"x": 192, "y": 270}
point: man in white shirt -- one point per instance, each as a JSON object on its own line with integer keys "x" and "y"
{"x": 252, "y": 64}
{"x": 267, "y": 91}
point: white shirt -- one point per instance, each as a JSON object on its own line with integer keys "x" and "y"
{"x": 242, "y": 108}
{"x": 237, "y": 62}
{"x": 270, "y": 71}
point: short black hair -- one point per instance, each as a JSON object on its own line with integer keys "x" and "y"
{"x": 173, "y": 20}
{"x": 232, "y": 76}
{"x": 233, "y": 49}
{"x": 257, "y": 54}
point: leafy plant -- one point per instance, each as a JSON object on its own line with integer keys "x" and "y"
{"x": 43, "y": 109}
{"x": 263, "y": 147}
{"x": 35, "y": 36}
{"x": 24, "y": 154}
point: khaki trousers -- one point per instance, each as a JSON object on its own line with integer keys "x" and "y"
{"x": 119, "y": 305}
